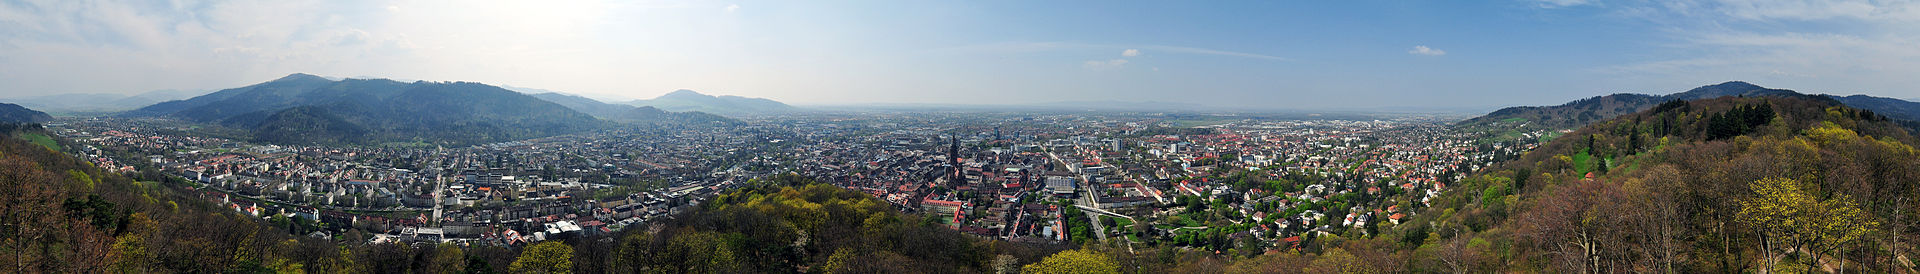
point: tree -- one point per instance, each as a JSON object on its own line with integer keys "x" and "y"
{"x": 1336, "y": 260}
{"x": 1785, "y": 211}
{"x": 837, "y": 263}
{"x": 702, "y": 252}
{"x": 447, "y": 258}
{"x": 546, "y": 257}
{"x": 1462, "y": 254}
{"x": 29, "y": 211}
{"x": 1004, "y": 264}
{"x": 1074, "y": 261}
{"x": 1663, "y": 219}
{"x": 130, "y": 253}
{"x": 1576, "y": 223}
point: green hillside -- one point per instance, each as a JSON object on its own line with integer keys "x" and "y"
{"x": 64, "y": 215}
{"x": 1716, "y": 185}
{"x": 307, "y": 109}
{"x": 11, "y": 113}
{"x": 1735, "y": 184}
{"x": 787, "y": 224}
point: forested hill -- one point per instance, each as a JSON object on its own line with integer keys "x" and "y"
{"x": 1733, "y": 184}
{"x": 786, "y": 224}
{"x": 307, "y": 109}
{"x": 690, "y": 101}
{"x": 1569, "y": 115}
{"x": 1582, "y": 112}
{"x": 63, "y": 215}
{"x": 11, "y": 113}
{"x": 645, "y": 115}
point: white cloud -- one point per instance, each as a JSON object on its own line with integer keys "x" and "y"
{"x": 1840, "y": 46}
{"x": 1790, "y": 74}
{"x": 1216, "y": 52}
{"x": 1881, "y": 63}
{"x": 733, "y": 7}
{"x": 1560, "y": 3}
{"x": 1031, "y": 47}
{"x": 1130, "y": 53}
{"x": 1708, "y": 12}
{"x": 1424, "y": 50}
{"x": 70, "y": 47}
{"x": 1809, "y": 10}
{"x": 1108, "y": 64}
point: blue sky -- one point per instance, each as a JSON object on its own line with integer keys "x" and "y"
{"x": 1256, "y": 54}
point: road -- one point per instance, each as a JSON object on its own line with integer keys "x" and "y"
{"x": 1102, "y": 212}
{"x": 1099, "y": 231}
{"x": 439, "y": 187}
{"x": 1063, "y": 163}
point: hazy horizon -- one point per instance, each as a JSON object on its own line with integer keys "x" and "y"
{"x": 1358, "y": 55}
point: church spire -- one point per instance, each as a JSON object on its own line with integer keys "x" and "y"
{"x": 953, "y": 155}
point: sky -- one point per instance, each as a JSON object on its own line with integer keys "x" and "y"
{"x": 1255, "y": 54}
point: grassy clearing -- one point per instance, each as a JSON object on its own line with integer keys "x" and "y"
{"x": 42, "y": 140}
{"x": 1550, "y": 136}
{"x": 1580, "y": 166}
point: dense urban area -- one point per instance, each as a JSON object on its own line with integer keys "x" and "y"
{"x": 1007, "y": 137}
{"x": 1204, "y": 182}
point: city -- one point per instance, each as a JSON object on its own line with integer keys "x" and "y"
{"x": 1024, "y": 177}
{"x": 740, "y": 136}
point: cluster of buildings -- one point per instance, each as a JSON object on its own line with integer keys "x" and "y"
{"x": 504, "y": 193}
{"x": 1014, "y": 176}
{"x": 1026, "y": 177}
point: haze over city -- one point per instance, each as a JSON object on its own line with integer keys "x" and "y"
{"x": 1279, "y": 55}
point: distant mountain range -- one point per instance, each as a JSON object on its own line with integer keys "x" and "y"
{"x": 1682, "y": 164}
{"x": 1892, "y": 108}
{"x": 308, "y": 109}
{"x": 1111, "y": 105}
{"x": 11, "y": 113}
{"x": 631, "y": 114}
{"x": 1585, "y": 111}
{"x": 102, "y": 102}
{"x": 688, "y": 100}
{"x": 1074, "y": 106}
